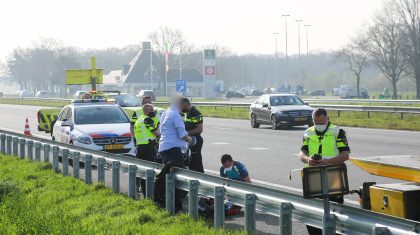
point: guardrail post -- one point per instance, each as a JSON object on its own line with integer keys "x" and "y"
{"x": 31, "y": 150}
{"x": 402, "y": 115}
{"x": 15, "y": 141}
{"x": 219, "y": 207}
{"x": 22, "y": 146}
{"x": 193, "y": 199}
{"x": 46, "y": 152}
{"x": 9, "y": 145}
{"x": 368, "y": 114}
{"x": 286, "y": 218}
{"x": 338, "y": 113}
{"x": 76, "y": 167}
{"x": 380, "y": 231}
{"x": 37, "y": 151}
{"x": 150, "y": 184}
{"x": 65, "y": 162}
{"x": 55, "y": 158}
{"x": 88, "y": 169}
{"x": 101, "y": 170}
{"x": 170, "y": 193}
{"x": 3, "y": 143}
{"x": 116, "y": 176}
{"x": 250, "y": 213}
{"x": 132, "y": 171}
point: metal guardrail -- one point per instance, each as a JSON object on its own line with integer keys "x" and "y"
{"x": 377, "y": 101}
{"x": 287, "y": 206}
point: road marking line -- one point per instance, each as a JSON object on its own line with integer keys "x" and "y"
{"x": 258, "y": 148}
{"x": 223, "y": 128}
{"x": 220, "y": 143}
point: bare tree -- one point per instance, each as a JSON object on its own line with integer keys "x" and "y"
{"x": 385, "y": 46}
{"x": 171, "y": 41}
{"x": 409, "y": 12}
{"x": 356, "y": 57}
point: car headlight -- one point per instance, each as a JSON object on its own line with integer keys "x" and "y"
{"x": 281, "y": 114}
{"x": 84, "y": 139}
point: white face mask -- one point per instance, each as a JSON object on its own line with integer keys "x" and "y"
{"x": 229, "y": 168}
{"x": 320, "y": 128}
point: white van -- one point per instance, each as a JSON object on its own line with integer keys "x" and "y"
{"x": 348, "y": 91}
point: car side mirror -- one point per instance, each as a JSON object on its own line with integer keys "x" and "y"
{"x": 265, "y": 105}
{"x": 306, "y": 103}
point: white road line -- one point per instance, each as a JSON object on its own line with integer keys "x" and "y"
{"x": 258, "y": 148}
{"x": 223, "y": 128}
{"x": 220, "y": 143}
{"x": 384, "y": 130}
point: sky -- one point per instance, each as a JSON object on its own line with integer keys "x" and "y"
{"x": 244, "y": 26}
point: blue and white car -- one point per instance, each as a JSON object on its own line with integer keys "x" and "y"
{"x": 94, "y": 125}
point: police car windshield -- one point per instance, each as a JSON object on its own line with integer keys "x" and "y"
{"x": 125, "y": 100}
{"x": 100, "y": 115}
{"x": 285, "y": 100}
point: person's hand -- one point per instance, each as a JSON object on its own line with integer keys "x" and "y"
{"x": 323, "y": 162}
{"x": 188, "y": 139}
{"x": 313, "y": 162}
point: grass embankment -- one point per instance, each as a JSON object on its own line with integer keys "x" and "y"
{"x": 47, "y": 103}
{"x": 33, "y": 200}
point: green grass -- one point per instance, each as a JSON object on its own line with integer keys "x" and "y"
{"x": 33, "y": 200}
{"x": 46, "y": 103}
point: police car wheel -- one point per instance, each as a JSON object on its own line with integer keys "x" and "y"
{"x": 254, "y": 123}
{"x": 274, "y": 124}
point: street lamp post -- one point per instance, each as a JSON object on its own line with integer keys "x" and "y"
{"x": 275, "y": 60}
{"x": 287, "y": 55}
{"x": 299, "y": 58}
{"x": 307, "y": 52}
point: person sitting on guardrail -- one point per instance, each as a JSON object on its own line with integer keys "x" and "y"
{"x": 233, "y": 170}
{"x": 324, "y": 144}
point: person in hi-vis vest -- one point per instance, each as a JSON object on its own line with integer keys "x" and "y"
{"x": 324, "y": 144}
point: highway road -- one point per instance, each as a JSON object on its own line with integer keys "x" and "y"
{"x": 268, "y": 154}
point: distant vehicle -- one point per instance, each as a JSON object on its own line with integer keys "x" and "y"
{"x": 94, "y": 125}
{"x": 1, "y": 94}
{"x": 336, "y": 92}
{"x": 125, "y": 100}
{"x": 232, "y": 94}
{"x": 146, "y": 93}
{"x": 280, "y": 110}
{"x": 318, "y": 92}
{"x": 79, "y": 94}
{"x": 246, "y": 90}
{"x": 25, "y": 93}
{"x": 299, "y": 90}
{"x": 42, "y": 94}
{"x": 348, "y": 91}
{"x": 268, "y": 90}
{"x": 256, "y": 92}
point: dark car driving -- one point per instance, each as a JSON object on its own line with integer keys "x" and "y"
{"x": 231, "y": 94}
{"x": 280, "y": 110}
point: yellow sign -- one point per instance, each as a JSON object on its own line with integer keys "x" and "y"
{"x": 83, "y": 76}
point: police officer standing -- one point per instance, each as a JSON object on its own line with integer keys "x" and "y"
{"x": 324, "y": 144}
{"x": 194, "y": 126}
{"x": 146, "y": 134}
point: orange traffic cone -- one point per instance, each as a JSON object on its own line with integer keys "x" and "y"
{"x": 27, "y": 130}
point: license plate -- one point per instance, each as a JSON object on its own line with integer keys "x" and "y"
{"x": 114, "y": 146}
{"x": 300, "y": 119}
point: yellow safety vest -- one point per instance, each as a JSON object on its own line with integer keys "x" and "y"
{"x": 142, "y": 134}
{"x": 328, "y": 142}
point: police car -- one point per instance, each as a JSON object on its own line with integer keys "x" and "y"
{"x": 94, "y": 124}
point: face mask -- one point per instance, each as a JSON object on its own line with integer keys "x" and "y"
{"x": 229, "y": 168}
{"x": 320, "y": 128}
{"x": 152, "y": 114}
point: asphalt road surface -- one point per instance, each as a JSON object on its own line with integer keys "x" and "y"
{"x": 268, "y": 154}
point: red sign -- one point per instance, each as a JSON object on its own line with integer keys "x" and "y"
{"x": 210, "y": 70}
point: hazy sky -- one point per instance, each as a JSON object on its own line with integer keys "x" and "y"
{"x": 245, "y": 26}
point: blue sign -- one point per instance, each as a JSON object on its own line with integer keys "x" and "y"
{"x": 181, "y": 86}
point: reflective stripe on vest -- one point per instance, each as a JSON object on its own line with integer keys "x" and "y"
{"x": 328, "y": 142}
{"x": 141, "y": 133}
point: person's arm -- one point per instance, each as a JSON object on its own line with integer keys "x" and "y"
{"x": 243, "y": 172}
{"x": 196, "y": 131}
{"x": 150, "y": 125}
{"x": 180, "y": 128}
{"x": 198, "y": 120}
{"x": 247, "y": 179}
{"x": 222, "y": 172}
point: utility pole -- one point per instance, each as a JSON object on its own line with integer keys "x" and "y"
{"x": 307, "y": 54}
{"x": 287, "y": 55}
{"x": 275, "y": 61}
{"x": 299, "y": 57}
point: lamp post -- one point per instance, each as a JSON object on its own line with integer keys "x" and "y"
{"x": 298, "y": 21}
{"x": 307, "y": 53}
{"x": 275, "y": 60}
{"x": 287, "y": 55}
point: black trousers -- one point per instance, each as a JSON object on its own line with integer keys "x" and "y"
{"x": 175, "y": 155}
{"x": 196, "y": 159}
{"x": 145, "y": 152}
{"x": 316, "y": 231}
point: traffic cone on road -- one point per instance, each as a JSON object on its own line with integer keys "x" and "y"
{"x": 27, "y": 130}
